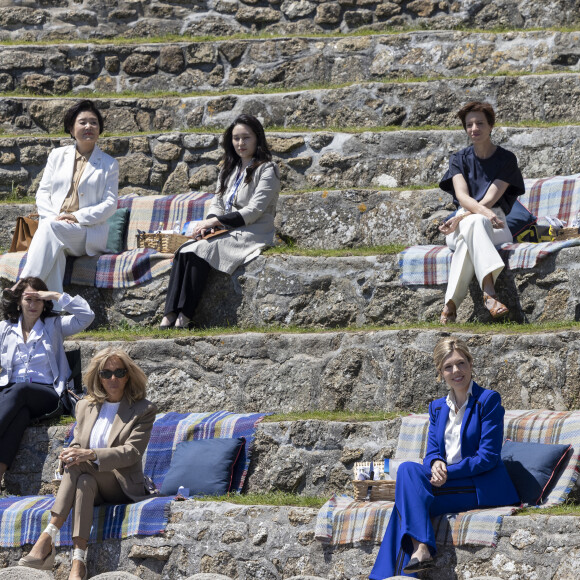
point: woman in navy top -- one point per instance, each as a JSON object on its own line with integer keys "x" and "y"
{"x": 485, "y": 181}
{"x": 462, "y": 469}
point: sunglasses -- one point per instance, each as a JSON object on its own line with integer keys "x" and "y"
{"x": 118, "y": 373}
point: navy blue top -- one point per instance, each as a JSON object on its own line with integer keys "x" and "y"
{"x": 481, "y": 173}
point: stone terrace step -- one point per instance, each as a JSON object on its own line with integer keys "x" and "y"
{"x": 346, "y": 291}
{"x": 304, "y": 457}
{"x": 248, "y": 542}
{"x": 548, "y": 98}
{"x": 365, "y": 370}
{"x": 97, "y": 19}
{"x": 281, "y": 62}
{"x": 178, "y": 162}
{"x": 333, "y": 219}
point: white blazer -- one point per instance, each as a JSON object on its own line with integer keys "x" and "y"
{"x": 98, "y": 192}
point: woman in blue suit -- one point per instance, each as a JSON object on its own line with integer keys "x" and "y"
{"x": 462, "y": 469}
{"x": 77, "y": 194}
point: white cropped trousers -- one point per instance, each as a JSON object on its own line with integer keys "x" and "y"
{"x": 474, "y": 252}
{"x": 51, "y": 244}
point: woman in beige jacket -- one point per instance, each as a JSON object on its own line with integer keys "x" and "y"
{"x": 103, "y": 464}
{"x": 245, "y": 205}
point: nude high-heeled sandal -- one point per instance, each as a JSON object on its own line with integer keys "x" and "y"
{"x": 47, "y": 562}
{"x": 81, "y": 556}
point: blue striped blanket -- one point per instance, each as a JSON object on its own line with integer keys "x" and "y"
{"x": 555, "y": 197}
{"x": 133, "y": 266}
{"x": 343, "y": 521}
{"x": 22, "y": 519}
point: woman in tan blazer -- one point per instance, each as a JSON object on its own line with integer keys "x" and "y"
{"x": 245, "y": 205}
{"x": 104, "y": 461}
{"x": 75, "y": 198}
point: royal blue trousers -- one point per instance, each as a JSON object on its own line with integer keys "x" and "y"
{"x": 416, "y": 502}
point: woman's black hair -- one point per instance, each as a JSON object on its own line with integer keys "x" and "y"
{"x": 71, "y": 115}
{"x": 11, "y": 299}
{"x": 231, "y": 159}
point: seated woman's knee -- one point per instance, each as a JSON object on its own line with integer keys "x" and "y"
{"x": 86, "y": 482}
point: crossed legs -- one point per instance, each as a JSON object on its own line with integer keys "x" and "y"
{"x": 82, "y": 487}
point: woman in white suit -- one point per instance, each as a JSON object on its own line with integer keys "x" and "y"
{"x": 77, "y": 194}
{"x": 104, "y": 463}
{"x": 245, "y": 204}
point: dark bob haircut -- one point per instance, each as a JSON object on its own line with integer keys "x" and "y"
{"x": 477, "y": 107}
{"x": 11, "y": 299}
{"x": 71, "y": 115}
{"x": 231, "y": 158}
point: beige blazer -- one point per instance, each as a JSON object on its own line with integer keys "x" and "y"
{"x": 98, "y": 192}
{"x": 126, "y": 445}
{"x": 256, "y": 202}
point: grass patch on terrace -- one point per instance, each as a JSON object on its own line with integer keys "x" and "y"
{"x": 292, "y": 250}
{"x": 410, "y": 187}
{"x": 126, "y": 333}
{"x": 566, "y": 509}
{"x": 341, "y": 416}
{"x": 12, "y": 199}
{"x": 276, "y": 498}
{"x": 361, "y": 32}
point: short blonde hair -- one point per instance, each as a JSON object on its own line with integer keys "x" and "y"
{"x": 135, "y": 389}
{"x": 445, "y": 347}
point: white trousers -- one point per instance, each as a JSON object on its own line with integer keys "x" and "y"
{"x": 51, "y": 244}
{"x": 473, "y": 244}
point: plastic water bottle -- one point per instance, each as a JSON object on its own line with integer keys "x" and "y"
{"x": 177, "y": 227}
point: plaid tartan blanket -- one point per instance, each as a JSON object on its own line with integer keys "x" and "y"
{"x": 555, "y": 196}
{"x": 343, "y": 521}
{"x": 22, "y": 519}
{"x": 134, "y": 266}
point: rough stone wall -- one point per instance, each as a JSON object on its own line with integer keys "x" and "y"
{"x": 552, "y": 98}
{"x": 180, "y": 162}
{"x": 49, "y": 19}
{"x": 371, "y": 370}
{"x": 305, "y": 457}
{"x": 274, "y": 543}
{"x": 283, "y": 62}
{"x": 337, "y": 292}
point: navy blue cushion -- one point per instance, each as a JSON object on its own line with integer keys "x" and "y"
{"x": 518, "y": 219}
{"x": 533, "y": 467}
{"x": 117, "y": 230}
{"x": 204, "y": 466}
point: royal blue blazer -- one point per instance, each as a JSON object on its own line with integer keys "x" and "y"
{"x": 481, "y": 442}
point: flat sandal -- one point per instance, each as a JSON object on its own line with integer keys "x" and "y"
{"x": 496, "y": 308}
{"x": 450, "y": 316}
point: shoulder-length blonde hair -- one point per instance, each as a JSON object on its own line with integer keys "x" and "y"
{"x": 445, "y": 347}
{"x": 135, "y": 389}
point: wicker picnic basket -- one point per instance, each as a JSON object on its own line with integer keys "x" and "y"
{"x": 165, "y": 243}
{"x": 381, "y": 490}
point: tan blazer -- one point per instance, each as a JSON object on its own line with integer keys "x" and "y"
{"x": 256, "y": 202}
{"x": 126, "y": 445}
{"x": 98, "y": 191}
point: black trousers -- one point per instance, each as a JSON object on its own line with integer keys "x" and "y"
{"x": 188, "y": 278}
{"x": 19, "y": 403}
